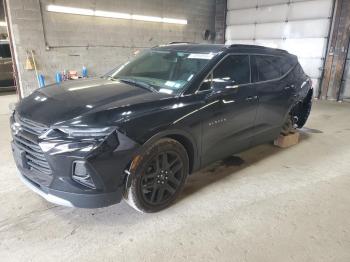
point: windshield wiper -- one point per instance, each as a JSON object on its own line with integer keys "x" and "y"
{"x": 138, "y": 83}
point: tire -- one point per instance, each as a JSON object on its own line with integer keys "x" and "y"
{"x": 304, "y": 111}
{"x": 157, "y": 176}
{"x": 298, "y": 116}
{"x": 288, "y": 126}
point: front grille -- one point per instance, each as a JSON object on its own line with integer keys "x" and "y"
{"x": 27, "y": 140}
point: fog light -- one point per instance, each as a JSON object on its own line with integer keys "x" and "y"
{"x": 81, "y": 175}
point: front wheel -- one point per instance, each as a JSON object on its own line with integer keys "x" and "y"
{"x": 158, "y": 176}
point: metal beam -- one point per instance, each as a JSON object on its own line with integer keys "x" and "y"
{"x": 13, "y": 53}
{"x": 336, "y": 53}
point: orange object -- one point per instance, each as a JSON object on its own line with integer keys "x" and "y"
{"x": 287, "y": 141}
{"x": 72, "y": 74}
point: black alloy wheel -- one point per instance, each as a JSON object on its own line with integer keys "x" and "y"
{"x": 158, "y": 176}
{"x": 162, "y": 177}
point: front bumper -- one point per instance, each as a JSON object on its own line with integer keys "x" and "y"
{"x": 105, "y": 160}
{"x": 73, "y": 199}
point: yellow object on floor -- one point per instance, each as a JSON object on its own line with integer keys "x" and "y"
{"x": 287, "y": 141}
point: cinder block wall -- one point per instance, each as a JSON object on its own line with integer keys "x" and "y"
{"x": 100, "y": 44}
{"x": 3, "y": 30}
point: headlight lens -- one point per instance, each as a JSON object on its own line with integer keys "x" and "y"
{"x": 86, "y": 132}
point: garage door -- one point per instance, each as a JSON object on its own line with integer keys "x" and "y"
{"x": 346, "y": 78}
{"x": 300, "y": 27}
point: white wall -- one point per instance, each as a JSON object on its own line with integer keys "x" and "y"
{"x": 300, "y": 27}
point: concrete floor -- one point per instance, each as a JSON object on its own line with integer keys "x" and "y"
{"x": 268, "y": 204}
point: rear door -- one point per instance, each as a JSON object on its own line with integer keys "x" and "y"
{"x": 228, "y": 119}
{"x": 274, "y": 89}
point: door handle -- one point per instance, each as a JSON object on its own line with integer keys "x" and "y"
{"x": 232, "y": 87}
{"x": 251, "y": 98}
{"x": 289, "y": 87}
{"x": 228, "y": 101}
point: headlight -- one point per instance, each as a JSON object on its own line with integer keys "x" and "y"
{"x": 86, "y": 132}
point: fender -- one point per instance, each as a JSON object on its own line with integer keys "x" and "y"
{"x": 176, "y": 132}
{"x": 169, "y": 133}
{"x": 129, "y": 172}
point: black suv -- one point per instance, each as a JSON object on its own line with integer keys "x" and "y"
{"x": 140, "y": 130}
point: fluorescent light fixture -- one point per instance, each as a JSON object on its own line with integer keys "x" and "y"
{"x": 69, "y": 10}
{"x": 3, "y": 23}
{"x": 101, "y": 13}
{"x": 112, "y": 14}
{"x": 147, "y": 18}
{"x": 174, "y": 21}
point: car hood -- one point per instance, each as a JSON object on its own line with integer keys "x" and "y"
{"x": 74, "y": 99}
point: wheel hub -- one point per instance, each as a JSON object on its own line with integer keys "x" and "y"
{"x": 162, "y": 177}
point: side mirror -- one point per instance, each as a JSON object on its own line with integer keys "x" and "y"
{"x": 214, "y": 94}
{"x": 225, "y": 85}
{"x": 206, "y": 85}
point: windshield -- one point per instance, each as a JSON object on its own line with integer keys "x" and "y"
{"x": 162, "y": 71}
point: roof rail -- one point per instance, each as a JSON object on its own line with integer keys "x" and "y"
{"x": 258, "y": 46}
{"x": 180, "y": 42}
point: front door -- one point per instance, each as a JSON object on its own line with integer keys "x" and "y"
{"x": 228, "y": 119}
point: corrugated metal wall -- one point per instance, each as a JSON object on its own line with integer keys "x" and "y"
{"x": 301, "y": 27}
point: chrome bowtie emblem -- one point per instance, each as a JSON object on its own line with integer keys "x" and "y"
{"x": 16, "y": 127}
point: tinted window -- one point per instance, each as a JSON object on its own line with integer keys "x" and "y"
{"x": 234, "y": 69}
{"x": 287, "y": 64}
{"x": 151, "y": 65}
{"x": 298, "y": 71}
{"x": 272, "y": 67}
{"x": 5, "y": 51}
{"x": 164, "y": 70}
{"x": 268, "y": 67}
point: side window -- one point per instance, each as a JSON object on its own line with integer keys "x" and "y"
{"x": 234, "y": 69}
{"x": 299, "y": 70}
{"x": 5, "y": 51}
{"x": 268, "y": 67}
{"x": 287, "y": 64}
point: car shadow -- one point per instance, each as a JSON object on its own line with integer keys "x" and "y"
{"x": 231, "y": 166}
{"x": 123, "y": 214}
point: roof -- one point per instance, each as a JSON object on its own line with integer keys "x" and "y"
{"x": 216, "y": 48}
{"x": 257, "y": 48}
{"x": 195, "y": 48}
